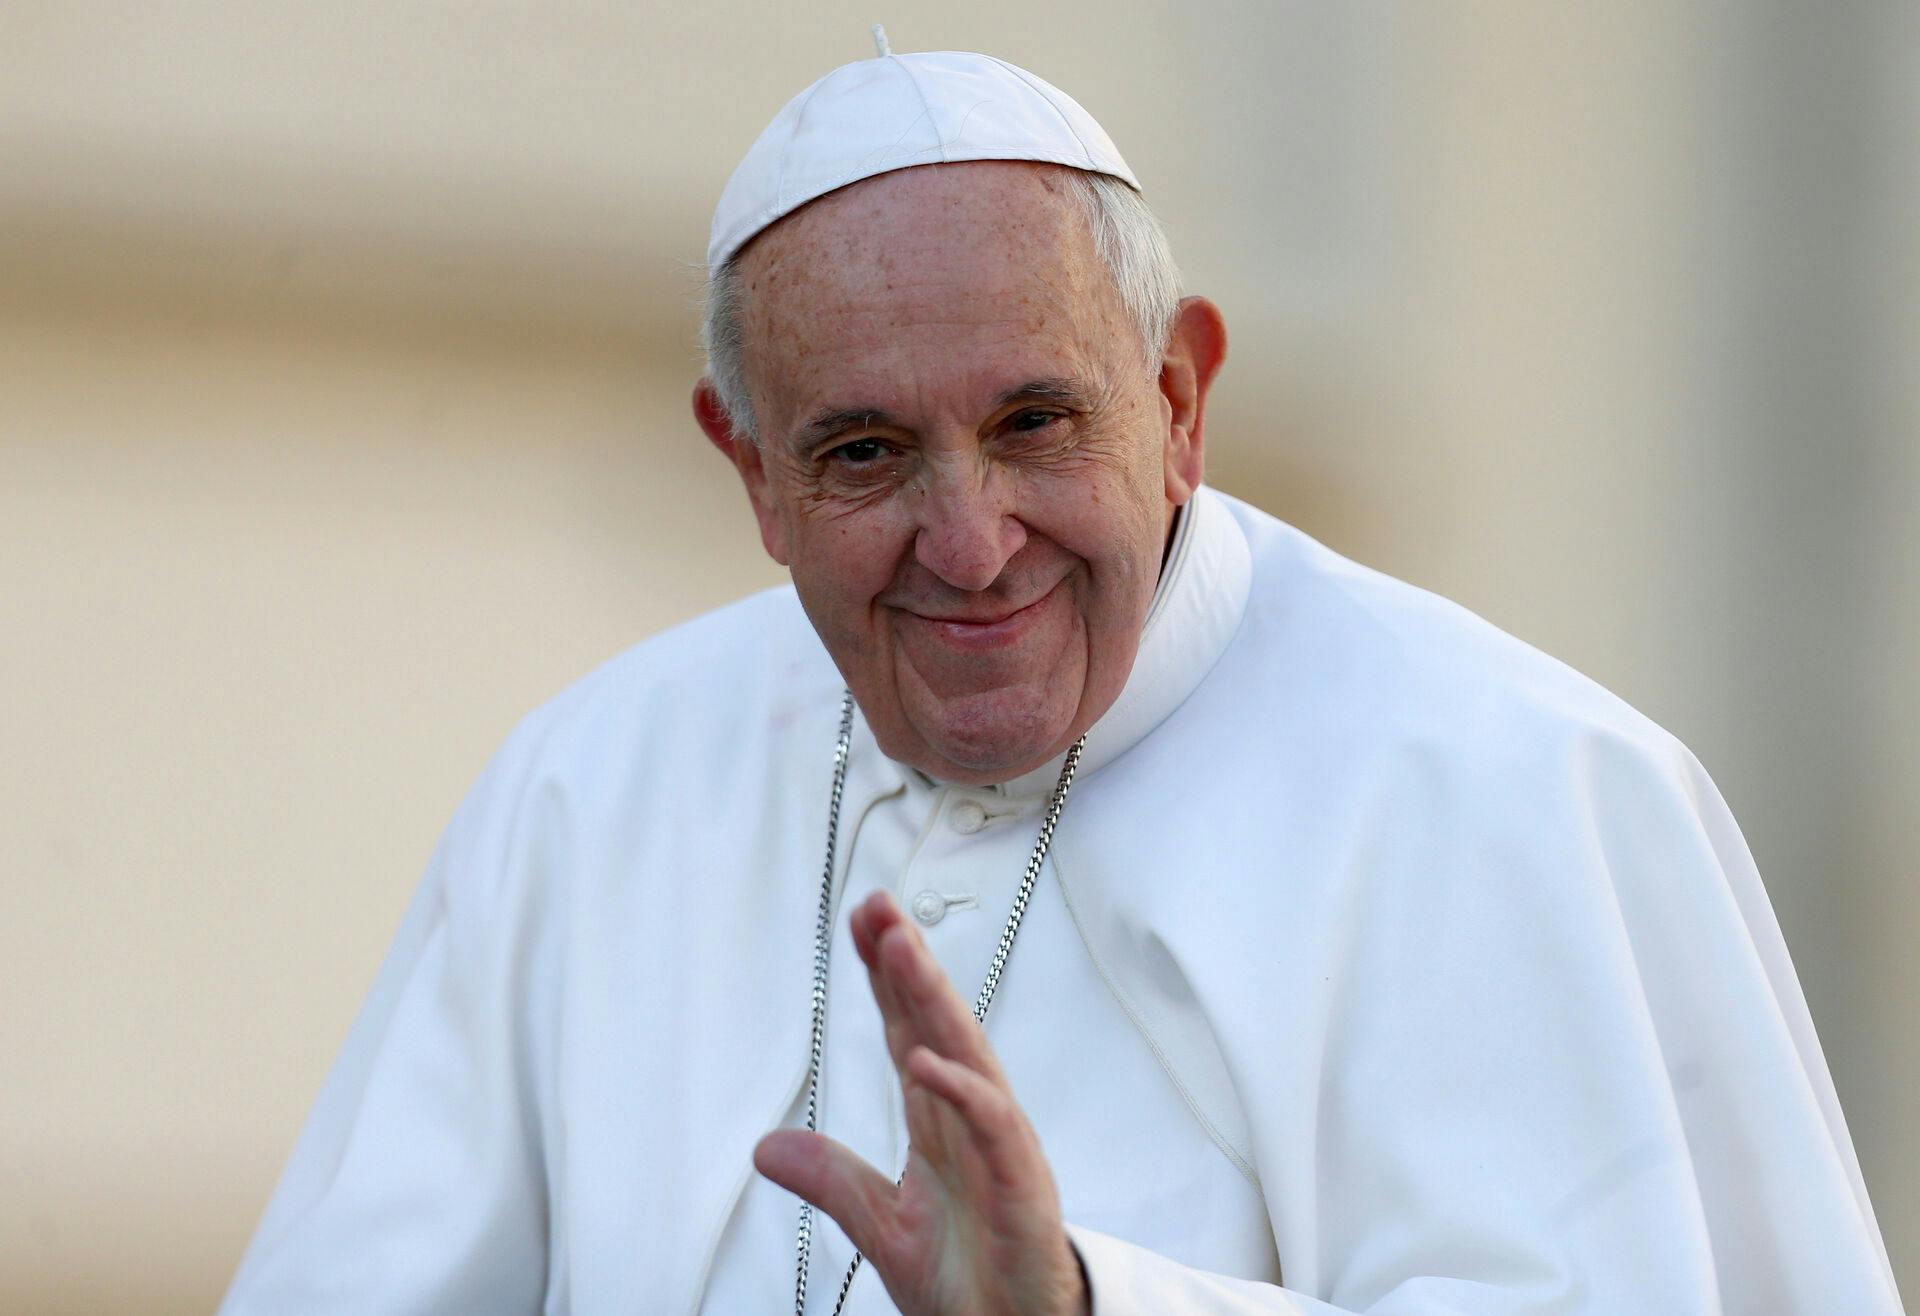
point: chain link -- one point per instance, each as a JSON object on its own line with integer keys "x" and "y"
{"x": 823, "y": 944}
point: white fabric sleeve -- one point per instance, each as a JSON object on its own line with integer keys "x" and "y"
{"x": 1125, "y": 1279}
{"x": 415, "y": 1184}
{"x": 1637, "y": 1019}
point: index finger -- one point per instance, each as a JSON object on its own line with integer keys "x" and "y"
{"x": 905, "y": 972}
{"x": 868, "y": 919}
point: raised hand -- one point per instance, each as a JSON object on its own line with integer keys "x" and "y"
{"x": 974, "y": 1227}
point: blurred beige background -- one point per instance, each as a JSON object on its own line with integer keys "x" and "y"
{"x": 343, "y": 361}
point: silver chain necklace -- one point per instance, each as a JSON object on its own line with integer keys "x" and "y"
{"x": 823, "y": 944}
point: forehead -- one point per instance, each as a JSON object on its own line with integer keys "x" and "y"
{"x": 967, "y": 270}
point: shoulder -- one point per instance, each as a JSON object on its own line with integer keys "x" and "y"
{"x": 671, "y": 717}
{"x": 1396, "y": 739}
{"x": 708, "y": 671}
{"x": 1357, "y": 643}
{"x": 1384, "y": 690}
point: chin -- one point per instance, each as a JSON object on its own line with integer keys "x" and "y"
{"x": 986, "y": 739}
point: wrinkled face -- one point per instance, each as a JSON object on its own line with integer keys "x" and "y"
{"x": 964, "y": 458}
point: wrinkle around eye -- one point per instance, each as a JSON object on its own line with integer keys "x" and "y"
{"x": 879, "y": 446}
{"x": 833, "y": 471}
{"x": 832, "y": 499}
{"x": 1047, "y": 420}
{"x": 832, "y": 484}
{"x": 1056, "y": 440}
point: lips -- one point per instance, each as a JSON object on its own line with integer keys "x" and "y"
{"x": 986, "y": 632}
{"x": 976, "y": 621}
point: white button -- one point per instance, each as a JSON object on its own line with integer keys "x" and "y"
{"x": 929, "y": 907}
{"x": 968, "y": 817}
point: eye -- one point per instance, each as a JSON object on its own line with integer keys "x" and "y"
{"x": 1026, "y": 422}
{"x": 860, "y": 452}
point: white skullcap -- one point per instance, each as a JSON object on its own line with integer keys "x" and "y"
{"x": 889, "y": 113}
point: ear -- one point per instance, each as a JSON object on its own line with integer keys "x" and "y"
{"x": 745, "y": 455}
{"x": 1195, "y": 350}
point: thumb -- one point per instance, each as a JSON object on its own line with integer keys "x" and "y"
{"x": 833, "y": 1178}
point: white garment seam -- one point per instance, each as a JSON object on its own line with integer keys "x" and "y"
{"x": 896, "y": 1099}
{"x": 1061, "y": 114}
{"x": 1219, "y": 1139}
{"x": 731, "y": 1206}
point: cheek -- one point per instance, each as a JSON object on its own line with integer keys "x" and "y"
{"x": 1121, "y": 539}
{"x": 830, "y": 546}
{"x": 841, "y": 564}
{"x": 1116, "y": 522}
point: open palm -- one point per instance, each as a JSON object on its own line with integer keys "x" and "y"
{"x": 974, "y": 1225}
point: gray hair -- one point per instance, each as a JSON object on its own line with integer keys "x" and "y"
{"x": 1128, "y": 238}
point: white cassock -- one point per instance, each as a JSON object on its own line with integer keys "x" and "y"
{"x": 1381, "y": 964}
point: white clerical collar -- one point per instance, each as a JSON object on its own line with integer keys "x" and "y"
{"x": 1195, "y": 611}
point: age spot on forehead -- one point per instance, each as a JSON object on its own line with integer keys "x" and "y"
{"x": 923, "y": 264}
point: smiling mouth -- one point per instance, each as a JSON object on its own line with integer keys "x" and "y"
{"x": 984, "y": 632}
{"x": 977, "y": 621}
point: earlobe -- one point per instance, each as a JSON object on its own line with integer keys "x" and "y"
{"x": 745, "y": 456}
{"x": 1195, "y": 351}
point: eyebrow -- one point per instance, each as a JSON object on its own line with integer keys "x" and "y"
{"x": 826, "y": 424}
{"x": 1056, "y": 389}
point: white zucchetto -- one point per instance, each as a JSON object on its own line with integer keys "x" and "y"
{"x": 878, "y": 115}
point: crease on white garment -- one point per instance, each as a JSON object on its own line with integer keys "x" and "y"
{"x": 844, "y": 866}
{"x": 1615, "y": 1175}
{"x": 1177, "y": 553}
{"x": 1197, "y": 612}
{"x": 1238, "y": 1159}
{"x": 936, "y": 806}
{"x": 896, "y": 1099}
{"x": 1729, "y": 847}
{"x": 703, "y": 1277}
{"x": 1608, "y": 1178}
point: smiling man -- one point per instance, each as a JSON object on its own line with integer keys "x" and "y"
{"x": 1329, "y": 951}
{"x": 965, "y": 452}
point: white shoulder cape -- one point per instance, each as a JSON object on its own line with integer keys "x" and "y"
{"x": 1461, "y": 959}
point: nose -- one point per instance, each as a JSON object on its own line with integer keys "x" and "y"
{"x": 967, "y": 528}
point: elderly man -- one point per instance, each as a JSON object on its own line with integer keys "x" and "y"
{"x": 1335, "y": 952}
